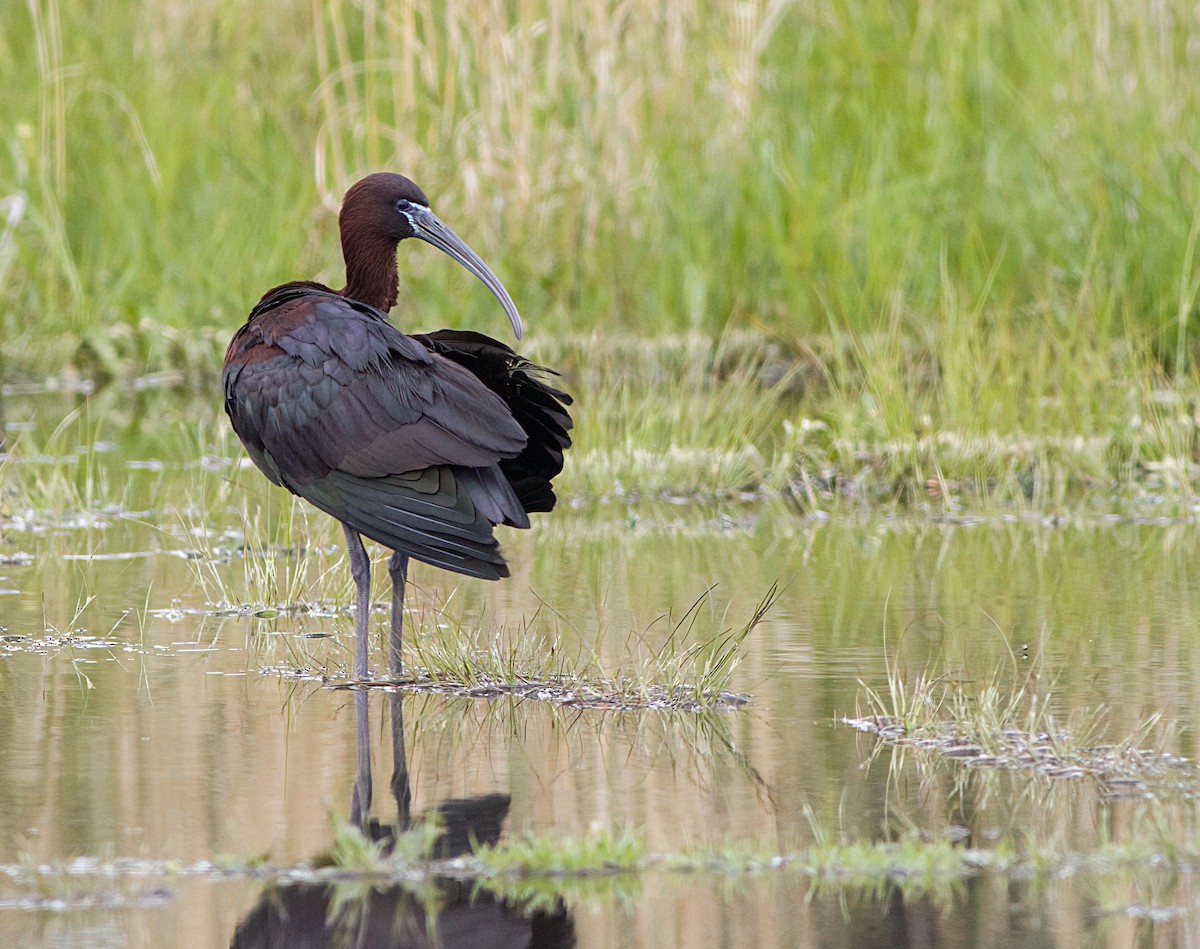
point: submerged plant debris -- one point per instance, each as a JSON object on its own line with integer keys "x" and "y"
{"x": 563, "y": 690}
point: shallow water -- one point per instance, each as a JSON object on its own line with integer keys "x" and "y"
{"x": 154, "y": 732}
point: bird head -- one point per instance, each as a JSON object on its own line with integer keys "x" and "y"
{"x": 389, "y": 208}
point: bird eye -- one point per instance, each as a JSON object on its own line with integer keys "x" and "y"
{"x": 405, "y": 207}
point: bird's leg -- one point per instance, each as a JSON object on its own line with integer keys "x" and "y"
{"x": 360, "y": 807}
{"x": 360, "y": 570}
{"x": 398, "y": 570}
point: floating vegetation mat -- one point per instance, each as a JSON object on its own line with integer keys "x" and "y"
{"x": 54, "y": 642}
{"x": 1121, "y": 770}
{"x": 558, "y": 690}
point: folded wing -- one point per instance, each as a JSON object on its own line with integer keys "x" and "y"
{"x": 384, "y": 433}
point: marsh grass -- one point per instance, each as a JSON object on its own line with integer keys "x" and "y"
{"x": 1007, "y": 723}
{"x": 918, "y": 864}
{"x": 688, "y": 670}
{"x": 685, "y": 667}
{"x": 686, "y": 420}
{"x": 981, "y": 220}
{"x": 63, "y": 475}
{"x": 285, "y": 565}
{"x": 538, "y": 869}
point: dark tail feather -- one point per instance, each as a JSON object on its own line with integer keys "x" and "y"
{"x": 493, "y": 495}
{"x": 534, "y": 493}
{"x": 539, "y": 408}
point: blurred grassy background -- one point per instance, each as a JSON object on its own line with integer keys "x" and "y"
{"x": 919, "y": 217}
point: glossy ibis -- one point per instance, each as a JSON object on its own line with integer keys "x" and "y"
{"x": 421, "y": 443}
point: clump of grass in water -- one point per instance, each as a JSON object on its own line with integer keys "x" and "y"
{"x": 699, "y": 673}
{"x": 531, "y": 665}
{"x": 285, "y": 567}
{"x": 447, "y": 654}
{"x": 996, "y": 728}
{"x": 290, "y": 557}
{"x": 534, "y": 870}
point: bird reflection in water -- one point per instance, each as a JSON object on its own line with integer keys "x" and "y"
{"x": 445, "y": 913}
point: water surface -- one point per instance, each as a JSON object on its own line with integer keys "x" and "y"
{"x": 171, "y": 632}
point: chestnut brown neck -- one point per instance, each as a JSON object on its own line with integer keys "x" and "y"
{"x": 370, "y": 266}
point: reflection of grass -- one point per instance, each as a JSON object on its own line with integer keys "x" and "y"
{"x": 354, "y": 852}
{"x": 600, "y": 851}
{"x": 537, "y": 870}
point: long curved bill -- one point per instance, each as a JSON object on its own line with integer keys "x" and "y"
{"x": 431, "y": 229}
